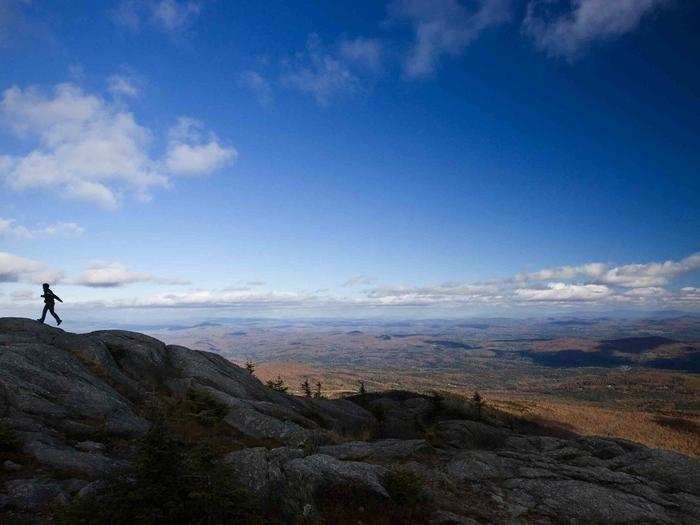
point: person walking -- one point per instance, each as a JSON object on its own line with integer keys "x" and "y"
{"x": 50, "y": 299}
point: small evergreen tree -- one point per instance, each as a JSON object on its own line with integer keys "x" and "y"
{"x": 277, "y": 384}
{"x": 306, "y": 387}
{"x": 318, "y": 394}
{"x": 362, "y": 390}
{"x": 478, "y": 403}
{"x": 168, "y": 483}
{"x": 250, "y": 367}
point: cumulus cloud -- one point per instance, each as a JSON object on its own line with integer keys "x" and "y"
{"x": 321, "y": 73}
{"x": 358, "y": 280}
{"x": 116, "y": 275}
{"x": 121, "y": 85}
{"x": 445, "y": 28}
{"x": 365, "y": 52}
{"x": 567, "y": 28}
{"x": 191, "y": 153}
{"x": 562, "y": 292}
{"x": 9, "y": 228}
{"x": 92, "y": 150}
{"x": 87, "y": 149}
{"x": 591, "y": 284}
{"x": 23, "y": 295}
{"x": 170, "y": 16}
{"x": 14, "y": 268}
{"x": 216, "y": 299}
{"x": 628, "y": 276}
{"x": 259, "y": 86}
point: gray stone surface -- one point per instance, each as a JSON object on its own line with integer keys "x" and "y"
{"x": 304, "y": 477}
{"x": 29, "y": 494}
{"x": 382, "y": 450}
{"x": 464, "y": 434}
{"x": 90, "y": 446}
{"x": 11, "y": 465}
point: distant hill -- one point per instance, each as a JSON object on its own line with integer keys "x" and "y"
{"x": 634, "y": 345}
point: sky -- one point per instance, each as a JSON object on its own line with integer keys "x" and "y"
{"x": 173, "y": 159}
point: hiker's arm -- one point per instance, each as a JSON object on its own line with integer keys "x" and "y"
{"x": 56, "y": 297}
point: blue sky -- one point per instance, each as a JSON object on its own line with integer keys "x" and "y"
{"x": 190, "y": 158}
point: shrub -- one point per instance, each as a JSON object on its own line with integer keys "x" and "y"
{"x": 9, "y": 442}
{"x": 169, "y": 483}
{"x": 250, "y": 367}
{"x": 405, "y": 487}
{"x": 204, "y": 408}
{"x": 379, "y": 412}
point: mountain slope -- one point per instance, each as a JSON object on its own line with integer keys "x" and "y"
{"x": 76, "y": 405}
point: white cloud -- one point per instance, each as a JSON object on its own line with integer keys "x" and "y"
{"x": 23, "y": 295}
{"x": 628, "y": 276}
{"x": 320, "y": 73}
{"x": 190, "y": 153}
{"x": 217, "y": 299}
{"x": 91, "y": 150}
{"x": 358, "y": 280}
{"x": 121, "y": 85}
{"x": 366, "y": 52}
{"x": 8, "y": 228}
{"x": 651, "y": 274}
{"x": 128, "y": 14}
{"x": 259, "y": 86}
{"x": 445, "y": 28}
{"x": 170, "y": 16}
{"x": 62, "y": 229}
{"x": 563, "y": 292}
{"x": 87, "y": 149}
{"x": 115, "y": 275}
{"x": 583, "y": 22}
{"x": 14, "y": 268}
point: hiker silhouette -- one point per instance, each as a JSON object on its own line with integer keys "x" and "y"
{"x": 49, "y": 304}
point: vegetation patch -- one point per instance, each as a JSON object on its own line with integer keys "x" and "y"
{"x": 170, "y": 482}
{"x": 405, "y": 487}
{"x": 9, "y": 442}
{"x": 204, "y": 408}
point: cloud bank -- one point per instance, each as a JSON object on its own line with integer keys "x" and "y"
{"x": 116, "y": 275}
{"x": 590, "y": 285}
{"x": 9, "y": 228}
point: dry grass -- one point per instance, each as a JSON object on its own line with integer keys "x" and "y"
{"x": 670, "y": 432}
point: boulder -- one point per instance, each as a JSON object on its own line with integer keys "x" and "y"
{"x": 305, "y": 477}
{"x": 260, "y": 470}
{"x": 464, "y": 434}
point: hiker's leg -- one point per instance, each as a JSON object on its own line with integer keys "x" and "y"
{"x": 43, "y": 313}
{"x": 58, "y": 319}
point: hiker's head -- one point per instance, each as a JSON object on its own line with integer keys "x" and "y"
{"x": 46, "y": 286}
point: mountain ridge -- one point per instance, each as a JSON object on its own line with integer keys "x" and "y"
{"x": 78, "y": 403}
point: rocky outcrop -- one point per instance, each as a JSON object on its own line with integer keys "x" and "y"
{"x": 76, "y": 403}
{"x": 377, "y": 451}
